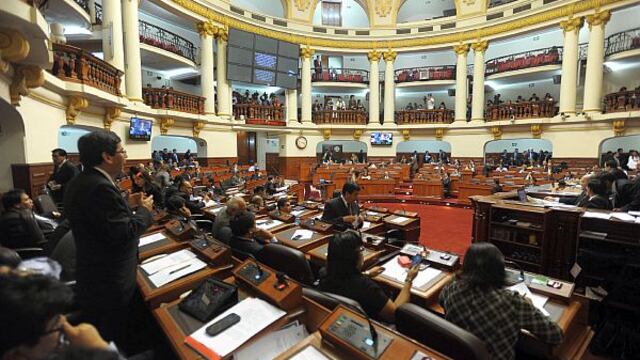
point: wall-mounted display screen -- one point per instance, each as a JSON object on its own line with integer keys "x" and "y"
{"x": 265, "y": 60}
{"x": 379, "y": 138}
{"x": 140, "y": 129}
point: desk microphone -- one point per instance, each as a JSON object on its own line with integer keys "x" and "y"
{"x": 372, "y": 329}
{"x": 259, "y": 271}
{"x": 510, "y": 279}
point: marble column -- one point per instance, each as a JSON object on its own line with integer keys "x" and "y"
{"x": 477, "y": 105}
{"x": 374, "y": 87}
{"x": 207, "y": 31}
{"x": 595, "y": 60}
{"x": 461, "y": 82}
{"x": 568, "y": 82}
{"x": 222, "y": 84}
{"x": 112, "y": 43}
{"x": 133, "y": 63}
{"x": 306, "y": 54}
{"x": 292, "y": 106}
{"x": 389, "y": 87}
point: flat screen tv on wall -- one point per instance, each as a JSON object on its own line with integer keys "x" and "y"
{"x": 140, "y": 129}
{"x": 380, "y": 138}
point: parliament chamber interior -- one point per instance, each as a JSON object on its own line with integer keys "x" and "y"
{"x": 319, "y": 179}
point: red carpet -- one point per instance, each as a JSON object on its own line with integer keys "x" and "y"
{"x": 441, "y": 227}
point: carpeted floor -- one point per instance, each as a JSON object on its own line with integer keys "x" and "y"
{"x": 441, "y": 227}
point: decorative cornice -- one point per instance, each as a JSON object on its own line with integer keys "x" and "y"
{"x": 427, "y": 40}
{"x": 461, "y": 49}
{"x": 536, "y": 131}
{"x": 75, "y": 105}
{"x": 599, "y": 18}
{"x": 306, "y": 52}
{"x": 374, "y": 55}
{"x": 222, "y": 33}
{"x": 439, "y": 133}
{"x": 165, "y": 125}
{"x": 25, "y": 77}
{"x": 390, "y": 55}
{"x": 206, "y": 28}
{"x": 618, "y": 127}
{"x": 497, "y": 132}
{"x": 357, "y": 133}
{"x": 326, "y": 134}
{"x": 197, "y": 127}
{"x": 110, "y": 115}
{"x": 13, "y": 47}
{"x": 480, "y": 46}
{"x": 572, "y": 24}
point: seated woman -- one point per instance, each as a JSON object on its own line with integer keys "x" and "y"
{"x": 477, "y": 301}
{"x": 177, "y": 208}
{"x": 246, "y": 237}
{"x": 344, "y": 277}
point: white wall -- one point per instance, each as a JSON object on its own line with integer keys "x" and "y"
{"x": 12, "y": 143}
{"x": 422, "y": 145}
{"x": 498, "y": 146}
{"x": 416, "y": 10}
{"x": 261, "y": 7}
{"x": 68, "y": 137}
{"x": 265, "y": 143}
{"x": 181, "y": 144}
{"x": 404, "y": 96}
{"x": 158, "y": 79}
{"x": 512, "y": 91}
{"x": 353, "y": 15}
{"x": 190, "y": 35}
{"x": 625, "y": 142}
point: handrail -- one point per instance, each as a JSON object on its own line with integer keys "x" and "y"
{"x": 426, "y": 73}
{"x": 77, "y": 65}
{"x": 340, "y": 75}
{"x": 424, "y": 116}
{"x": 170, "y": 99}
{"x": 98, "y": 14}
{"x": 625, "y": 100}
{"x": 155, "y": 36}
{"x": 523, "y": 60}
{"x": 522, "y": 110}
{"x": 262, "y": 113}
{"x": 340, "y": 117}
{"x": 84, "y": 4}
{"x": 622, "y": 41}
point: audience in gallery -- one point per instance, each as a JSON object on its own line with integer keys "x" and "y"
{"x": 428, "y": 103}
{"x": 256, "y": 99}
{"x": 337, "y": 103}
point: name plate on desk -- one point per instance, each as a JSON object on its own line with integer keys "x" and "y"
{"x": 410, "y": 214}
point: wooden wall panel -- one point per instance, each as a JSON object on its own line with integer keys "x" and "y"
{"x": 221, "y": 161}
{"x": 272, "y": 162}
{"x": 289, "y": 167}
{"x": 247, "y": 152}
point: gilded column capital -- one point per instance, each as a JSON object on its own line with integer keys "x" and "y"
{"x": 326, "y": 134}
{"x": 439, "y": 133}
{"x": 197, "y": 127}
{"x": 390, "y": 55}
{"x": 306, "y": 52}
{"x": 222, "y": 33}
{"x": 75, "y": 105}
{"x": 461, "y": 49}
{"x": 406, "y": 134}
{"x": 25, "y": 77}
{"x": 536, "y": 131}
{"x": 480, "y": 46}
{"x": 572, "y": 24}
{"x": 13, "y": 47}
{"x": 374, "y": 55}
{"x": 497, "y": 132}
{"x": 165, "y": 125}
{"x": 599, "y": 18}
{"x": 110, "y": 115}
{"x": 618, "y": 127}
{"x": 206, "y": 28}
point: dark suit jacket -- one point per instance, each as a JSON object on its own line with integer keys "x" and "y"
{"x": 106, "y": 234}
{"x": 598, "y": 202}
{"x": 335, "y": 210}
{"x": 579, "y": 200}
{"x": 62, "y": 176}
{"x": 19, "y": 229}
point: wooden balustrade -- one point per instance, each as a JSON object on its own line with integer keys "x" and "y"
{"x": 622, "y": 101}
{"x": 523, "y": 110}
{"x": 424, "y": 116}
{"x": 260, "y": 114}
{"x": 340, "y": 117}
{"x": 169, "y": 99}
{"x": 77, "y": 65}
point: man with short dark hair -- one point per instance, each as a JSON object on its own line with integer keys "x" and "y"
{"x": 246, "y": 236}
{"x": 63, "y": 172}
{"x": 344, "y": 211}
{"x": 106, "y": 234}
{"x": 18, "y": 225}
{"x": 612, "y": 167}
{"x": 284, "y": 206}
{"x": 597, "y": 195}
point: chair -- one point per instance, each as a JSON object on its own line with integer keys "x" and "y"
{"x": 439, "y": 334}
{"x": 290, "y": 261}
{"x": 330, "y": 300}
{"x": 45, "y": 205}
{"x": 65, "y": 254}
{"x": 224, "y": 234}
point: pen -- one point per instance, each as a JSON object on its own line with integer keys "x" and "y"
{"x": 178, "y": 269}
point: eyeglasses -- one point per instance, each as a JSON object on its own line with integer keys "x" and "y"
{"x": 62, "y": 338}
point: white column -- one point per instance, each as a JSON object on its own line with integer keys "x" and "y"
{"x": 306, "y": 54}
{"x": 595, "y": 59}
{"x": 461, "y": 82}
{"x": 207, "y": 32}
{"x": 477, "y": 105}
{"x": 112, "y": 45}
{"x": 133, "y": 68}
{"x": 374, "y": 87}
{"x": 389, "y": 87}
{"x": 569, "y": 81}
{"x": 222, "y": 85}
{"x": 292, "y": 106}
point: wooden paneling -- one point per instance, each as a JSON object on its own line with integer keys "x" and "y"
{"x": 272, "y": 162}
{"x": 289, "y": 167}
{"x": 220, "y": 161}
{"x": 247, "y": 153}
{"x": 576, "y": 162}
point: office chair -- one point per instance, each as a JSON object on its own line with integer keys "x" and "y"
{"x": 224, "y": 234}
{"x": 330, "y": 300}
{"x": 439, "y": 334}
{"x": 395, "y": 237}
{"x": 290, "y": 261}
{"x": 45, "y": 205}
{"x": 65, "y": 254}
{"x": 9, "y": 257}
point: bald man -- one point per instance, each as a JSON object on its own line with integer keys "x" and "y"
{"x": 235, "y": 206}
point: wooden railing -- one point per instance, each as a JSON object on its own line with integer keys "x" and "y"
{"x": 260, "y": 114}
{"x": 74, "y": 64}
{"x": 426, "y": 73}
{"x": 424, "y": 116}
{"x": 622, "y": 101}
{"x": 622, "y": 41}
{"x": 523, "y": 110}
{"x": 340, "y": 117}
{"x": 170, "y": 99}
{"x": 523, "y": 60}
{"x": 340, "y": 75}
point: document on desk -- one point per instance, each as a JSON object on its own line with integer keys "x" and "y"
{"x": 298, "y": 212}
{"x": 365, "y": 225}
{"x": 255, "y": 315}
{"x": 150, "y": 239}
{"x": 596, "y": 215}
{"x": 266, "y": 224}
{"x": 302, "y": 234}
{"x": 537, "y": 300}
{"x": 176, "y": 258}
{"x": 395, "y": 272}
{"x": 175, "y": 272}
{"x": 210, "y": 203}
{"x": 623, "y": 216}
{"x": 309, "y": 353}
{"x": 399, "y": 220}
{"x": 272, "y": 344}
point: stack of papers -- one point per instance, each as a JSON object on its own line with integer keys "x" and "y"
{"x": 537, "y": 300}
{"x": 255, "y": 315}
{"x": 149, "y": 239}
{"x": 309, "y": 353}
{"x": 623, "y": 216}
{"x": 273, "y": 344}
{"x": 302, "y": 234}
{"x": 399, "y": 219}
{"x": 395, "y": 272}
{"x": 596, "y": 215}
{"x": 172, "y": 267}
{"x": 266, "y": 224}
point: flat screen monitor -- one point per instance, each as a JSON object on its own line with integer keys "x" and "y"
{"x": 380, "y": 138}
{"x": 140, "y": 129}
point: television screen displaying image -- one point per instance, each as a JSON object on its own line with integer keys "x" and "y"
{"x": 378, "y": 138}
{"x": 140, "y": 129}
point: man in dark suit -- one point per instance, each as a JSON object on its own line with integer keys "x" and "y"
{"x": 582, "y": 198}
{"x": 18, "y": 225}
{"x": 343, "y": 211}
{"x": 597, "y": 191}
{"x": 106, "y": 234}
{"x": 63, "y": 172}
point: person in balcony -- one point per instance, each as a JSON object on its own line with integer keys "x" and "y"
{"x": 340, "y": 104}
{"x": 431, "y": 102}
{"x": 317, "y": 66}
{"x": 520, "y": 99}
{"x": 442, "y": 106}
{"x": 334, "y": 74}
{"x": 352, "y": 102}
{"x": 548, "y": 98}
{"x": 496, "y": 100}
{"x": 634, "y": 159}
{"x": 427, "y": 157}
{"x": 359, "y": 105}
{"x": 416, "y": 107}
{"x": 534, "y": 98}
{"x": 409, "y": 106}
{"x": 329, "y": 105}
{"x": 317, "y": 106}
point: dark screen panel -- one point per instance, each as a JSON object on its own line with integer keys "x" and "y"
{"x": 288, "y": 49}
{"x": 241, "y": 38}
{"x": 286, "y": 81}
{"x": 239, "y": 56}
{"x": 287, "y": 65}
{"x": 264, "y": 44}
{"x": 239, "y": 73}
{"x": 264, "y": 77}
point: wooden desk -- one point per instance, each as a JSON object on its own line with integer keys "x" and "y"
{"x": 373, "y": 228}
{"x": 410, "y": 226}
{"x": 317, "y": 239}
{"x": 211, "y": 212}
{"x": 377, "y": 187}
{"x": 318, "y": 255}
{"x": 432, "y": 188}
{"x": 167, "y": 245}
{"x": 305, "y": 213}
{"x": 275, "y": 228}
{"x": 469, "y": 189}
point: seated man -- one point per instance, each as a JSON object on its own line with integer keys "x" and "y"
{"x": 477, "y": 302}
{"x": 343, "y": 211}
{"x": 344, "y": 277}
{"x": 18, "y": 225}
{"x": 256, "y": 204}
{"x": 235, "y": 206}
{"x": 194, "y": 203}
{"x": 246, "y": 236}
{"x": 597, "y": 195}
{"x": 284, "y": 206}
{"x": 177, "y": 208}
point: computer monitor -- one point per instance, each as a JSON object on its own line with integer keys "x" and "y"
{"x": 522, "y": 195}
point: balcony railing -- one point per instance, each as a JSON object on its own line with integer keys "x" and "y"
{"x": 255, "y": 114}
{"x": 98, "y": 14}
{"x": 523, "y": 60}
{"x": 622, "y": 101}
{"x": 622, "y": 41}
{"x": 340, "y": 75}
{"x": 424, "y": 116}
{"x": 166, "y": 40}
{"x": 84, "y": 4}
{"x": 426, "y": 73}
{"x": 523, "y": 110}
{"x": 340, "y": 117}
{"x": 169, "y": 99}
{"x": 77, "y": 65}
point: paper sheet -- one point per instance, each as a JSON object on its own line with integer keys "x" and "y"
{"x": 623, "y": 216}
{"x": 272, "y": 344}
{"x": 266, "y": 224}
{"x": 399, "y": 219}
{"x": 149, "y": 239}
{"x": 393, "y": 271}
{"x": 537, "y": 300}
{"x": 209, "y": 203}
{"x": 596, "y": 215}
{"x": 170, "y": 260}
{"x": 309, "y": 353}
{"x": 366, "y": 225}
{"x": 175, "y": 272}
{"x": 634, "y": 213}
{"x": 298, "y": 212}
{"x": 255, "y": 315}
{"x": 302, "y": 234}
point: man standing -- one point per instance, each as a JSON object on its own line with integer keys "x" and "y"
{"x": 63, "y": 172}
{"x": 106, "y": 234}
{"x": 344, "y": 211}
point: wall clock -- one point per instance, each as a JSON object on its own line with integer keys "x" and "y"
{"x": 301, "y": 142}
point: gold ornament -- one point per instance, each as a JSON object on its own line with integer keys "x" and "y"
{"x": 206, "y": 28}
{"x": 383, "y": 7}
{"x": 461, "y": 49}
{"x": 13, "y": 47}
{"x": 75, "y": 105}
{"x": 302, "y": 5}
{"x": 480, "y": 46}
{"x": 306, "y": 52}
{"x": 222, "y": 33}
{"x": 406, "y": 134}
{"x": 165, "y": 125}
{"x": 197, "y": 127}
{"x": 439, "y": 133}
{"x": 390, "y": 55}
{"x": 110, "y": 115}
{"x": 326, "y": 134}
{"x": 618, "y": 127}
{"x": 536, "y": 130}
{"x": 497, "y": 132}
{"x": 599, "y": 18}
{"x": 572, "y": 24}
{"x": 357, "y": 133}
{"x": 25, "y": 77}
{"x": 374, "y": 55}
